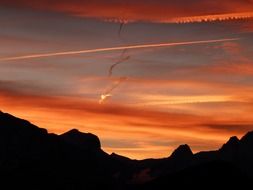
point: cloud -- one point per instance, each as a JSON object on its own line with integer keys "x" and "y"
{"x": 236, "y": 127}
{"x": 240, "y": 69}
{"x": 143, "y": 10}
{"x": 14, "y": 88}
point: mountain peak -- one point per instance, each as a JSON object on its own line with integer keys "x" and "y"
{"x": 231, "y": 145}
{"x": 233, "y": 139}
{"x": 247, "y": 140}
{"x": 183, "y": 151}
{"x": 73, "y": 132}
{"x": 83, "y": 140}
{"x": 248, "y": 137}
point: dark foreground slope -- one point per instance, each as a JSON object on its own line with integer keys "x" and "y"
{"x": 31, "y": 158}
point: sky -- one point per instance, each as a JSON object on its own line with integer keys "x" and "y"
{"x": 143, "y": 76}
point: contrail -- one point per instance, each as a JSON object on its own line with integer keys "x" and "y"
{"x": 108, "y": 49}
{"x": 108, "y": 92}
{"x": 120, "y": 28}
{"x": 122, "y": 59}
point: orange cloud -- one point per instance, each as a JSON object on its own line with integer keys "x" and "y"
{"x": 154, "y": 11}
{"x": 210, "y": 18}
{"x": 233, "y": 68}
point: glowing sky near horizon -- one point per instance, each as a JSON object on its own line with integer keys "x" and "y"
{"x": 194, "y": 93}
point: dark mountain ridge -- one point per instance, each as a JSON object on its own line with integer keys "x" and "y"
{"x": 32, "y": 158}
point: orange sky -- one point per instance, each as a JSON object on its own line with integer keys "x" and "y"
{"x": 195, "y": 93}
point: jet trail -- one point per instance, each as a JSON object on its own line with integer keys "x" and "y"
{"x": 108, "y": 49}
{"x": 120, "y": 28}
{"x": 122, "y": 59}
{"x": 108, "y": 92}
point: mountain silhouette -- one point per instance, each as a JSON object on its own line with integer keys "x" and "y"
{"x": 82, "y": 140}
{"x": 32, "y": 158}
{"x": 182, "y": 152}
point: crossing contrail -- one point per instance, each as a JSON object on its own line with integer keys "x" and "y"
{"x": 117, "y": 48}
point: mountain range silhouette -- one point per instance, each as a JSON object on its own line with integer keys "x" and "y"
{"x": 32, "y": 158}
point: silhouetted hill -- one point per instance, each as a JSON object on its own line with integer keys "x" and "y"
{"x": 82, "y": 140}
{"x": 32, "y": 158}
{"x": 182, "y": 152}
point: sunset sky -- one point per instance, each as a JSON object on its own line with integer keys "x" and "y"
{"x": 171, "y": 72}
